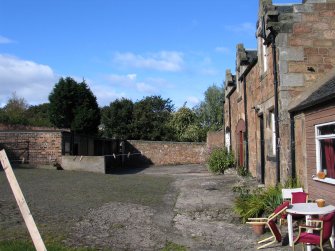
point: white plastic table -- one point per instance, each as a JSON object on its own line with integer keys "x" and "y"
{"x": 307, "y": 209}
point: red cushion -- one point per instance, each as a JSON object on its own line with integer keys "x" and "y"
{"x": 309, "y": 238}
{"x": 281, "y": 207}
{"x": 328, "y": 222}
{"x": 299, "y": 197}
{"x": 283, "y": 216}
{"x": 275, "y": 230}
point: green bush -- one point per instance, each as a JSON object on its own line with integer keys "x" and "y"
{"x": 242, "y": 171}
{"x": 261, "y": 201}
{"x": 219, "y": 160}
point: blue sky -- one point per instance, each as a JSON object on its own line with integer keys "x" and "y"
{"x": 122, "y": 48}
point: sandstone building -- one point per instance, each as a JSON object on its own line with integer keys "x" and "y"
{"x": 279, "y": 103}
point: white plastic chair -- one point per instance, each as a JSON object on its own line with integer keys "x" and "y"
{"x": 286, "y": 193}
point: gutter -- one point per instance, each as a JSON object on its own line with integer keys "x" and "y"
{"x": 275, "y": 83}
{"x": 229, "y": 115}
{"x": 246, "y": 139}
{"x": 292, "y": 138}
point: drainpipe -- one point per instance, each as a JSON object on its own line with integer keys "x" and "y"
{"x": 292, "y": 124}
{"x": 246, "y": 125}
{"x": 275, "y": 82}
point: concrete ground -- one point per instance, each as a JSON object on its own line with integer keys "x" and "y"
{"x": 185, "y": 205}
{"x": 196, "y": 214}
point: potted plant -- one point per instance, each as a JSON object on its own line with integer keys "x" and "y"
{"x": 258, "y": 228}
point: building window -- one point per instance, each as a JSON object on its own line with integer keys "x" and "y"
{"x": 325, "y": 148}
{"x": 265, "y": 56}
{"x": 273, "y": 132}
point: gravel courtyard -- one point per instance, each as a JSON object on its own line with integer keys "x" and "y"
{"x": 135, "y": 210}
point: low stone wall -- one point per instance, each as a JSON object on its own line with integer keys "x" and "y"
{"x": 165, "y": 153}
{"x": 96, "y": 164}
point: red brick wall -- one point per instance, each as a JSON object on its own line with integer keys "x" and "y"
{"x": 300, "y": 149}
{"x": 313, "y": 117}
{"x": 171, "y": 153}
{"x": 35, "y": 147}
{"x": 215, "y": 139}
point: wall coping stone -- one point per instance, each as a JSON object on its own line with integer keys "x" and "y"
{"x": 166, "y": 142}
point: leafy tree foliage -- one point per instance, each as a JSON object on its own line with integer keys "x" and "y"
{"x": 117, "y": 119}
{"x": 38, "y": 115}
{"x": 151, "y": 117}
{"x": 14, "y": 111}
{"x": 74, "y": 106}
{"x": 210, "y": 111}
{"x": 186, "y": 127}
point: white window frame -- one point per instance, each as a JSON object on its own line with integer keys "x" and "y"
{"x": 317, "y": 149}
{"x": 265, "y": 56}
{"x": 273, "y": 131}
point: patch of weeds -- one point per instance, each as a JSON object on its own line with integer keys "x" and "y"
{"x": 171, "y": 246}
{"x": 117, "y": 226}
{"x": 242, "y": 171}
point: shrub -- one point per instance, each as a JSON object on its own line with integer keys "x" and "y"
{"x": 242, "y": 171}
{"x": 219, "y": 160}
{"x": 249, "y": 204}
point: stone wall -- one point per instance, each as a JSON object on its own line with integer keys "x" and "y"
{"x": 305, "y": 51}
{"x": 169, "y": 153}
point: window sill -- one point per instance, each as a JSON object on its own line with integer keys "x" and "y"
{"x": 325, "y": 180}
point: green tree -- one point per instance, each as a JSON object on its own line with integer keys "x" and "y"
{"x": 151, "y": 119}
{"x": 14, "y": 112}
{"x": 210, "y": 111}
{"x": 74, "y": 106}
{"x": 194, "y": 133}
{"x": 185, "y": 125}
{"x": 117, "y": 119}
{"x": 38, "y": 115}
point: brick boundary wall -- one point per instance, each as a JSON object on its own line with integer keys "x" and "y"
{"x": 35, "y": 148}
{"x": 215, "y": 139}
{"x": 170, "y": 153}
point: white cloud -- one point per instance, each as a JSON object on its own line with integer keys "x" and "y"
{"x": 241, "y": 28}
{"x": 122, "y": 80}
{"x": 131, "y": 76}
{"x": 170, "y": 61}
{"x": 193, "y": 101}
{"x": 105, "y": 94}
{"x": 28, "y": 79}
{"x": 129, "y": 83}
{"x": 5, "y": 40}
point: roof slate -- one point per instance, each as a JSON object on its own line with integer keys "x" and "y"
{"x": 325, "y": 93}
